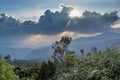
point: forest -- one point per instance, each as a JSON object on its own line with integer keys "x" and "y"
{"x": 66, "y": 65}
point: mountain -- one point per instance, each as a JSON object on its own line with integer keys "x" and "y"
{"x": 44, "y": 53}
{"x": 41, "y": 53}
{"x": 100, "y": 41}
{"x": 86, "y": 43}
{"x": 15, "y": 53}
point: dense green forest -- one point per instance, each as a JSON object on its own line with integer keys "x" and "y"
{"x": 96, "y": 65}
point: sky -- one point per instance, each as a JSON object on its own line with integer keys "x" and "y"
{"x": 37, "y": 23}
{"x": 32, "y": 9}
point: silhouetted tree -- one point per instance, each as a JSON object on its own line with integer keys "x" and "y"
{"x": 8, "y": 58}
{"x": 60, "y": 49}
{"x": 82, "y": 52}
{"x": 94, "y": 50}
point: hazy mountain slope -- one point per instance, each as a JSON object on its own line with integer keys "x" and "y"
{"x": 86, "y": 43}
{"x": 17, "y": 53}
{"x": 87, "y": 46}
{"x": 100, "y": 41}
{"x": 41, "y": 53}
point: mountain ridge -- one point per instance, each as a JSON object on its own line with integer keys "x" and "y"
{"x": 85, "y": 43}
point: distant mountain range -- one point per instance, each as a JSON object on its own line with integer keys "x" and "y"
{"x": 44, "y": 53}
{"x": 15, "y": 53}
{"x": 86, "y": 43}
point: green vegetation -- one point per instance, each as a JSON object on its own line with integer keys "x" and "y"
{"x": 99, "y": 66}
{"x": 6, "y": 71}
{"x": 96, "y": 65}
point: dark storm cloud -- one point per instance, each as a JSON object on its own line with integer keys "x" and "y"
{"x": 90, "y": 22}
{"x": 54, "y": 23}
{"x": 93, "y": 22}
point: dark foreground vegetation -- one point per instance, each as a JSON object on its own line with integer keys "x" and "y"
{"x": 96, "y": 65}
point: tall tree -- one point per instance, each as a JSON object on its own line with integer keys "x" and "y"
{"x": 60, "y": 49}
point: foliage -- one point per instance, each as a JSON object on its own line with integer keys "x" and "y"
{"x": 96, "y": 65}
{"x": 6, "y": 71}
{"x": 70, "y": 60}
{"x": 47, "y": 71}
{"x": 60, "y": 50}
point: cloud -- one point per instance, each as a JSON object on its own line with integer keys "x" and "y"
{"x": 116, "y": 25}
{"x": 90, "y": 22}
{"x": 53, "y": 23}
{"x": 93, "y": 22}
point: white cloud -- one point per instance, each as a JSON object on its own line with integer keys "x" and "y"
{"x": 116, "y": 26}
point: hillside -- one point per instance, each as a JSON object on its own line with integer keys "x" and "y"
{"x": 86, "y": 43}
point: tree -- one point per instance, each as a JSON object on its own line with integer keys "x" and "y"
{"x": 60, "y": 49}
{"x": 94, "y": 50}
{"x": 70, "y": 59}
{"x": 8, "y": 58}
{"x": 47, "y": 71}
{"x": 6, "y": 71}
{"x": 82, "y": 52}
